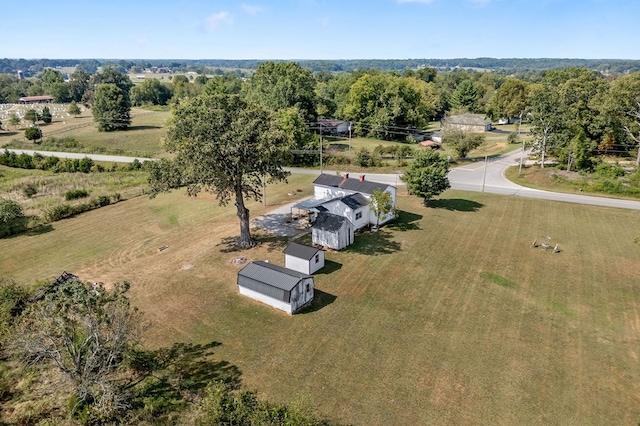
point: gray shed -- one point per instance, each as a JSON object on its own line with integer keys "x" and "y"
{"x": 279, "y": 287}
{"x": 332, "y": 231}
{"x": 302, "y": 258}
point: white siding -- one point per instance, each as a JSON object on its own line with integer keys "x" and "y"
{"x": 302, "y": 294}
{"x": 336, "y": 240}
{"x": 297, "y": 264}
{"x": 339, "y": 208}
{"x": 315, "y": 266}
{"x": 278, "y": 304}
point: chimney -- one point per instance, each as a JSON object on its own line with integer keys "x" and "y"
{"x": 361, "y": 178}
{"x": 346, "y": 175}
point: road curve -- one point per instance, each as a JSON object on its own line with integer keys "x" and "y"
{"x": 75, "y": 155}
{"x": 478, "y": 177}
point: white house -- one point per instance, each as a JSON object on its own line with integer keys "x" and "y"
{"x": 470, "y": 123}
{"x": 279, "y": 287}
{"x": 332, "y": 231}
{"x": 333, "y": 127}
{"x": 349, "y": 197}
{"x": 302, "y": 258}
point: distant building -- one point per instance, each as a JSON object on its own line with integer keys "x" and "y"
{"x": 35, "y": 99}
{"x": 333, "y": 231}
{"x": 469, "y": 123}
{"x": 333, "y": 127}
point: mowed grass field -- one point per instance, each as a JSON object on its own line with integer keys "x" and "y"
{"x": 446, "y": 317}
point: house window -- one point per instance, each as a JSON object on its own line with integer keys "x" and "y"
{"x": 358, "y": 215}
{"x": 317, "y": 258}
{"x": 308, "y": 288}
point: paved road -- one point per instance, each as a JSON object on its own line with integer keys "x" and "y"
{"x": 94, "y": 157}
{"x": 471, "y": 177}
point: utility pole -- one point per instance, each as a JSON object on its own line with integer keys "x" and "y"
{"x": 484, "y": 176}
{"x": 321, "y": 148}
{"x": 522, "y": 153}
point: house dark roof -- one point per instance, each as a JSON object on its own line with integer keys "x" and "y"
{"x": 301, "y": 251}
{"x": 354, "y": 201}
{"x": 350, "y": 184}
{"x": 272, "y": 275}
{"x": 329, "y": 222}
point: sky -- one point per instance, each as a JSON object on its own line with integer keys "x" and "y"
{"x": 320, "y": 29}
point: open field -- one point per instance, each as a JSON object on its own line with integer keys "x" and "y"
{"x": 447, "y": 316}
{"x": 143, "y": 138}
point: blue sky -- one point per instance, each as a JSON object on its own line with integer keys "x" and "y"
{"x": 321, "y": 29}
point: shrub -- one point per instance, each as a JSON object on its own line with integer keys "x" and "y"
{"x": 33, "y": 133}
{"x": 57, "y": 212}
{"x": 30, "y": 189}
{"x": 75, "y": 194}
{"x": 611, "y": 171}
{"x": 513, "y": 137}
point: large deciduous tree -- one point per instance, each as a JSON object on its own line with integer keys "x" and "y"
{"x": 546, "y": 119}
{"x": 150, "y": 91}
{"x": 510, "y": 100}
{"x": 381, "y": 204}
{"x": 462, "y": 142}
{"x": 624, "y": 107}
{"x": 84, "y": 331}
{"x": 385, "y": 105}
{"x": 11, "y": 216}
{"x": 111, "y": 108}
{"x": 225, "y": 146}
{"x": 282, "y": 85}
{"x": 426, "y": 176}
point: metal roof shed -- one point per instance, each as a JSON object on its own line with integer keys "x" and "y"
{"x": 279, "y": 287}
{"x": 302, "y": 258}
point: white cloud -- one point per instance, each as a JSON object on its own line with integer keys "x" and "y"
{"x": 214, "y": 21}
{"x": 251, "y": 9}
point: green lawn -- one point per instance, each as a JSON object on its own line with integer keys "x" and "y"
{"x": 446, "y": 317}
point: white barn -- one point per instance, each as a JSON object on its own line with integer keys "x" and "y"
{"x": 279, "y": 287}
{"x": 302, "y": 258}
{"x": 332, "y": 231}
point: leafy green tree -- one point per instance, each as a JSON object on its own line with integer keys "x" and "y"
{"x": 85, "y": 331}
{"x": 46, "y": 116}
{"x": 111, "y": 108}
{"x": 282, "y": 85}
{"x": 510, "y": 100}
{"x": 222, "y": 145}
{"x": 426, "y": 176}
{"x": 381, "y": 204}
{"x": 59, "y": 91}
{"x": 33, "y": 133}
{"x": 223, "y": 405}
{"x": 223, "y": 85}
{"x": 386, "y": 105}
{"x": 78, "y": 85}
{"x": 462, "y": 142}
{"x": 14, "y": 120}
{"x": 467, "y": 96}
{"x": 32, "y": 116}
{"x": 74, "y": 109}
{"x": 11, "y": 216}
{"x": 623, "y": 108}
{"x": 545, "y": 116}
{"x": 108, "y": 76}
{"x": 150, "y": 91}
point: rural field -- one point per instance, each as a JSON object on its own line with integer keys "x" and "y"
{"x": 447, "y": 316}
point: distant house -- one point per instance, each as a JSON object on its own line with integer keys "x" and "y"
{"x": 333, "y": 127}
{"x": 281, "y": 288}
{"x": 302, "y": 258}
{"x": 35, "y": 99}
{"x": 333, "y": 231}
{"x": 508, "y": 120}
{"x": 470, "y": 123}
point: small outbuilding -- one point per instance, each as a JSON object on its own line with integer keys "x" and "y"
{"x": 279, "y": 287}
{"x": 332, "y": 231}
{"x": 303, "y": 258}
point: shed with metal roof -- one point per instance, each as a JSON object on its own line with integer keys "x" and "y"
{"x": 279, "y": 287}
{"x": 333, "y": 231}
{"x": 303, "y": 258}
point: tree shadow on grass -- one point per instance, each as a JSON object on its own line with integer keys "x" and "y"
{"x": 133, "y": 128}
{"x": 174, "y": 375}
{"x": 320, "y": 300}
{"x": 329, "y": 267}
{"x": 405, "y": 221}
{"x": 271, "y": 242}
{"x": 455, "y": 204}
{"x": 374, "y": 243}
